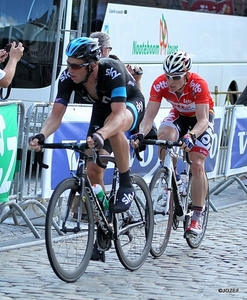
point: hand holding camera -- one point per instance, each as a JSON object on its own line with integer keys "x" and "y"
{"x": 4, "y": 52}
{"x": 14, "y": 50}
{"x": 7, "y": 47}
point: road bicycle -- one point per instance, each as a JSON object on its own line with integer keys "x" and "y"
{"x": 69, "y": 241}
{"x": 169, "y": 205}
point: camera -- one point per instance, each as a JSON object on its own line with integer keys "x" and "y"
{"x": 7, "y": 47}
{"x": 138, "y": 72}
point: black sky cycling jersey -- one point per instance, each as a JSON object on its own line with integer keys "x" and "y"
{"x": 115, "y": 84}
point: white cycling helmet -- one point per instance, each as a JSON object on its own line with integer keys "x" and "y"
{"x": 177, "y": 62}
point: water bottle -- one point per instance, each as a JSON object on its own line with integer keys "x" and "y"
{"x": 184, "y": 178}
{"x": 179, "y": 184}
{"x": 97, "y": 188}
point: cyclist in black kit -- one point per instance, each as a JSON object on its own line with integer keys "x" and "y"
{"x": 118, "y": 107}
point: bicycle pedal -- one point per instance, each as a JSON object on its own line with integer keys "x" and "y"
{"x": 190, "y": 234}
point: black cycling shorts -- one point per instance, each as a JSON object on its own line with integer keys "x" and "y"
{"x": 101, "y": 111}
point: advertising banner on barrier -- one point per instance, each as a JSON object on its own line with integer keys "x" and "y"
{"x": 74, "y": 128}
{"x": 8, "y": 148}
{"x": 212, "y": 161}
{"x": 237, "y": 146}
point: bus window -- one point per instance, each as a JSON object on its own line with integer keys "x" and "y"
{"x": 75, "y": 17}
{"x": 94, "y": 13}
{"x": 98, "y": 14}
{"x": 34, "y": 23}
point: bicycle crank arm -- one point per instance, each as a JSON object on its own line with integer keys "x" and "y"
{"x": 130, "y": 226}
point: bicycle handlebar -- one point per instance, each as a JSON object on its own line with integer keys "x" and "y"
{"x": 165, "y": 143}
{"x": 78, "y": 147}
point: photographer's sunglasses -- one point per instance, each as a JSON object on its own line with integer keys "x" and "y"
{"x": 175, "y": 77}
{"x": 76, "y": 66}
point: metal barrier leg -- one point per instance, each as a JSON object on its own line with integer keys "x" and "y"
{"x": 213, "y": 206}
{"x": 15, "y": 207}
{"x": 221, "y": 186}
{"x": 239, "y": 181}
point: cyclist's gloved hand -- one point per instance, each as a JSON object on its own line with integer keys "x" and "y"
{"x": 35, "y": 141}
{"x": 188, "y": 141}
{"x": 137, "y": 136}
{"x": 98, "y": 140}
{"x": 40, "y": 137}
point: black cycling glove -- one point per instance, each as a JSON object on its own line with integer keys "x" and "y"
{"x": 98, "y": 140}
{"x": 140, "y": 137}
{"x": 137, "y": 136}
{"x": 39, "y": 137}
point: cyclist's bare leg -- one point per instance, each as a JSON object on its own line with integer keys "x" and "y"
{"x": 198, "y": 192}
{"x": 166, "y": 133}
{"x": 199, "y": 184}
{"x": 120, "y": 144}
{"x": 96, "y": 173}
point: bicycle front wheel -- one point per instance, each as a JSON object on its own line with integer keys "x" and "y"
{"x": 163, "y": 212}
{"x": 69, "y": 240}
{"x": 135, "y": 228}
{"x": 194, "y": 241}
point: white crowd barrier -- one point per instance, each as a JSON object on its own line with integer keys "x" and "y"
{"x": 32, "y": 187}
{"x": 228, "y": 155}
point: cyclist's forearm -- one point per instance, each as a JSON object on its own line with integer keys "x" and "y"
{"x": 54, "y": 120}
{"x": 150, "y": 114}
{"x": 50, "y": 126}
{"x": 200, "y": 127}
{"x": 145, "y": 126}
{"x": 114, "y": 124}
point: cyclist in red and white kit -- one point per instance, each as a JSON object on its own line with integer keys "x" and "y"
{"x": 191, "y": 119}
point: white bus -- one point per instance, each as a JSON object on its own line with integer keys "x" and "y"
{"x": 142, "y": 32}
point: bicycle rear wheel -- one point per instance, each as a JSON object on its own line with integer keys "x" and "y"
{"x": 135, "y": 228}
{"x": 194, "y": 241}
{"x": 163, "y": 212}
{"x": 69, "y": 245}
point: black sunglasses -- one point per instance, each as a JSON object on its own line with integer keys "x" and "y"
{"x": 76, "y": 66}
{"x": 175, "y": 77}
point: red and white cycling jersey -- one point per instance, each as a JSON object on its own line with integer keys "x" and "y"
{"x": 195, "y": 92}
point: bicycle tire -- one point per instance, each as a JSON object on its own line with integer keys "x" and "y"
{"x": 69, "y": 253}
{"x": 133, "y": 245}
{"x": 163, "y": 212}
{"x": 194, "y": 241}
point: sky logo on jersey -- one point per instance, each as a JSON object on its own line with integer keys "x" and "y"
{"x": 112, "y": 73}
{"x": 150, "y": 48}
